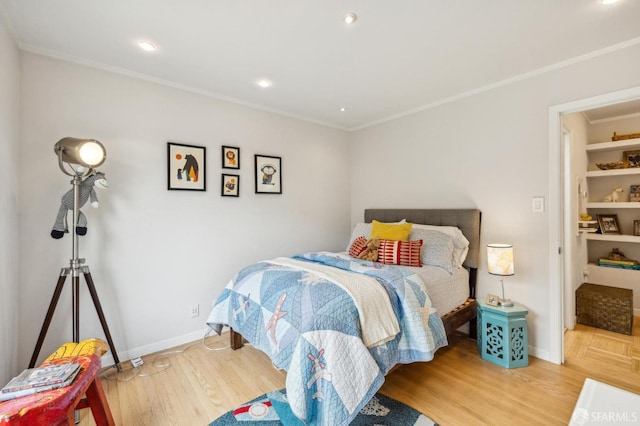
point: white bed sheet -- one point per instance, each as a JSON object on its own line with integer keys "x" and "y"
{"x": 447, "y": 291}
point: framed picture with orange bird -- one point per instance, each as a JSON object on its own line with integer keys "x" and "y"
{"x": 186, "y": 167}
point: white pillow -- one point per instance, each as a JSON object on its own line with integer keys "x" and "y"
{"x": 461, "y": 243}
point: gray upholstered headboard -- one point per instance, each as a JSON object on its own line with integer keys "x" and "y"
{"x": 468, "y": 220}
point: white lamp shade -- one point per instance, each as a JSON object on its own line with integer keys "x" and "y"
{"x": 500, "y": 259}
{"x": 85, "y": 152}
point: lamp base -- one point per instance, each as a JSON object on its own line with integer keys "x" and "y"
{"x": 505, "y": 302}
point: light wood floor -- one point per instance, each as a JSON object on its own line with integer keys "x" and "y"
{"x": 456, "y": 388}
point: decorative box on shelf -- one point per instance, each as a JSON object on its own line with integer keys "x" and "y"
{"x": 503, "y": 335}
{"x": 609, "y": 308}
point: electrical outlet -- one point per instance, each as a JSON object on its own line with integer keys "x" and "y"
{"x": 194, "y": 311}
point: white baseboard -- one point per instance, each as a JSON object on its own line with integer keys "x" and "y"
{"x": 107, "y": 360}
{"x": 539, "y": 353}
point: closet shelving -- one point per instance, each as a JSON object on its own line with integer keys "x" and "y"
{"x": 624, "y": 177}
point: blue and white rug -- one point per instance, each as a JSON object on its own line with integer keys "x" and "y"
{"x": 272, "y": 409}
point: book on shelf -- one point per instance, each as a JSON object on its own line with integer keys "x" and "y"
{"x": 629, "y": 267}
{"x": 588, "y": 229}
{"x": 624, "y": 264}
{"x": 40, "y": 379}
{"x": 588, "y": 226}
{"x": 617, "y": 262}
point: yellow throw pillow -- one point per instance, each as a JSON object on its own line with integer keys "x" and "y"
{"x": 387, "y": 231}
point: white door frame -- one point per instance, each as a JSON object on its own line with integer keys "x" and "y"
{"x": 570, "y": 214}
{"x": 556, "y": 213}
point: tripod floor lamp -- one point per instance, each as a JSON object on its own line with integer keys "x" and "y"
{"x": 77, "y": 158}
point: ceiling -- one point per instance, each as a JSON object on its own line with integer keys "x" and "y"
{"x": 400, "y": 56}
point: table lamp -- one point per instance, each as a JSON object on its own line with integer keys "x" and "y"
{"x": 500, "y": 262}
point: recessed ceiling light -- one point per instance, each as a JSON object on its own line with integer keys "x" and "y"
{"x": 147, "y": 46}
{"x": 264, "y": 83}
{"x": 350, "y": 18}
{"x": 343, "y": 109}
{"x": 609, "y": 1}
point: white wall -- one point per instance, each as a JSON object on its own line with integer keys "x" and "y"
{"x": 154, "y": 252}
{"x": 488, "y": 151}
{"x": 9, "y": 94}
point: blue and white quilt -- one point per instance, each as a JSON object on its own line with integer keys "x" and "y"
{"x": 315, "y": 328}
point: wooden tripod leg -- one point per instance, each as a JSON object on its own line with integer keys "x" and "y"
{"x": 103, "y": 321}
{"x": 49, "y": 316}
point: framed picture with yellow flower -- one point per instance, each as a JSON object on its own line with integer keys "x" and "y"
{"x": 230, "y": 186}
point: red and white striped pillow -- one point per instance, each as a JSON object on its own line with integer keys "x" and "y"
{"x": 358, "y": 246}
{"x": 406, "y": 253}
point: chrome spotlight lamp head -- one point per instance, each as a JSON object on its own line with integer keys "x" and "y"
{"x": 81, "y": 155}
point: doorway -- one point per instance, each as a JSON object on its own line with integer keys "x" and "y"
{"x": 560, "y": 212}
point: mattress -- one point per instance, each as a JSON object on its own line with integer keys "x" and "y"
{"x": 447, "y": 291}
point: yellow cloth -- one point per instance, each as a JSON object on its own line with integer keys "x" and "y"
{"x": 88, "y": 346}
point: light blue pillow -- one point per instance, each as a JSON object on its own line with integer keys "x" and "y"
{"x": 437, "y": 248}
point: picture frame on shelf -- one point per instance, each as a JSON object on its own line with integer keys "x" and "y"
{"x": 631, "y": 159}
{"x": 186, "y": 167}
{"x": 230, "y": 185}
{"x": 492, "y": 300}
{"x": 230, "y": 157}
{"x": 636, "y": 228}
{"x": 608, "y": 223}
{"x": 634, "y": 193}
{"x": 268, "y": 174}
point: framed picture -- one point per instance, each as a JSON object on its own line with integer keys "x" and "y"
{"x": 230, "y": 157}
{"x": 631, "y": 158}
{"x": 608, "y": 223}
{"x": 492, "y": 300}
{"x": 268, "y": 174}
{"x": 634, "y": 193}
{"x": 230, "y": 186}
{"x": 636, "y": 228}
{"x": 186, "y": 167}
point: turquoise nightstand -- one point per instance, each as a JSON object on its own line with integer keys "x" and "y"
{"x": 502, "y": 334}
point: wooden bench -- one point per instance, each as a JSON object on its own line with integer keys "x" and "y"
{"x": 58, "y": 406}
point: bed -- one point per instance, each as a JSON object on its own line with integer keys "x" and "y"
{"x": 338, "y": 324}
